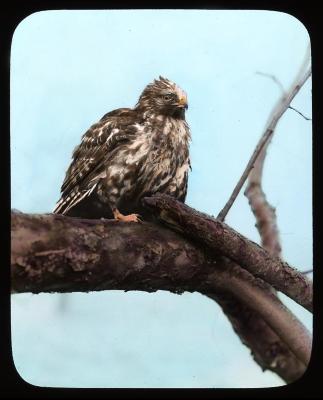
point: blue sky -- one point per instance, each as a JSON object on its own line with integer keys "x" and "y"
{"x": 68, "y": 68}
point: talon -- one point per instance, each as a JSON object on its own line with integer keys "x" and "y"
{"x": 126, "y": 218}
{"x": 139, "y": 218}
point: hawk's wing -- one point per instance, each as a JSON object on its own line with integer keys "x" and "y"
{"x": 91, "y": 155}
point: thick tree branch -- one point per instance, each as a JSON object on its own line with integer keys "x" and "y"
{"x": 267, "y": 348}
{"x": 222, "y": 239}
{"x": 268, "y": 306}
{"x": 57, "y": 253}
{"x": 54, "y": 253}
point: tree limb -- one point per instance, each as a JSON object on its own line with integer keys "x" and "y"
{"x": 267, "y": 226}
{"x": 267, "y": 348}
{"x": 224, "y": 240}
{"x": 264, "y": 213}
{"x": 269, "y": 307}
{"x": 57, "y": 253}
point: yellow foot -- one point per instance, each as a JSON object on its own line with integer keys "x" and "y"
{"x": 126, "y": 218}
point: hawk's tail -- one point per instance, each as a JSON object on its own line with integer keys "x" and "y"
{"x": 68, "y": 202}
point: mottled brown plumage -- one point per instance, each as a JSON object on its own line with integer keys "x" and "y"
{"x": 129, "y": 154}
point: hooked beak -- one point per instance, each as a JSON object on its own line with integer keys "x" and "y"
{"x": 183, "y": 102}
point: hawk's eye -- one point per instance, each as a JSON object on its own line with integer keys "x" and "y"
{"x": 168, "y": 96}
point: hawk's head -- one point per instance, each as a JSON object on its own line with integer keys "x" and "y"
{"x": 163, "y": 97}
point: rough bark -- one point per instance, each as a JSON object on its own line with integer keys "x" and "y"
{"x": 56, "y": 253}
{"x": 265, "y": 216}
{"x": 222, "y": 239}
{"x": 267, "y": 348}
{"x": 268, "y": 306}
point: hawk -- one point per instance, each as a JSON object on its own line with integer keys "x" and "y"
{"x": 130, "y": 154}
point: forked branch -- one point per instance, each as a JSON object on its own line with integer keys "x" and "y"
{"x": 222, "y": 239}
{"x": 282, "y": 105}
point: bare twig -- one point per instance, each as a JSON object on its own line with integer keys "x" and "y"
{"x": 277, "y": 113}
{"x": 222, "y": 239}
{"x": 307, "y": 119}
{"x": 274, "y": 78}
{"x": 309, "y": 271}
